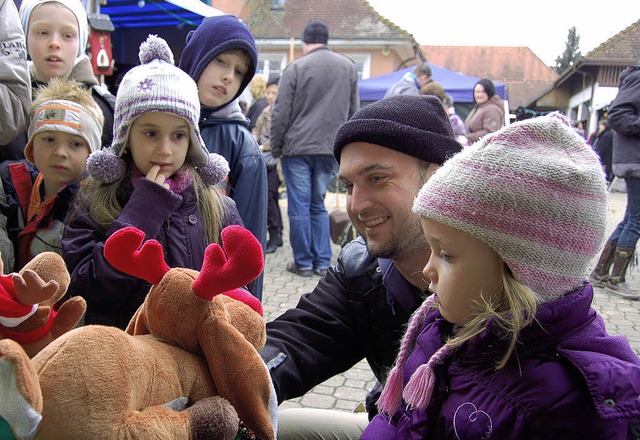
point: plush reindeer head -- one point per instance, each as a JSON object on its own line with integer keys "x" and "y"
{"x": 182, "y": 301}
{"x": 206, "y": 313}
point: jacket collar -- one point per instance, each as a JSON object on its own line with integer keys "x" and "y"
{"x": 399, "y": 290}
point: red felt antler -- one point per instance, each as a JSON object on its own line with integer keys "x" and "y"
{"x": 224, "y": 273}
{"x": 123, "y": 251}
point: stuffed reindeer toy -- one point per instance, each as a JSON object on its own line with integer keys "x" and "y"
{"x": 187, "y": 366}
{"x": 27, "y": 301}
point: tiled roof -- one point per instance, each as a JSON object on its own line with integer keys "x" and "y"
{"x": 346, "y": 19}
{"x": 501, "y": 63}
{"x": 525, "y": 75}
{"x": 623, "y": 48}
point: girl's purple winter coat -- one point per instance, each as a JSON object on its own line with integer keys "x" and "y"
{"x": 174, "y": 220}
{"x": 568, "y": 379}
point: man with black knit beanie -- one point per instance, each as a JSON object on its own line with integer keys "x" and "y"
{"x": 360, "y": 308}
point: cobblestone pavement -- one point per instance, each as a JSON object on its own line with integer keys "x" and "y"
{"x": 344, "y": 392}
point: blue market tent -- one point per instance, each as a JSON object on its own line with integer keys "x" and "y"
{"x": 156, "y": 13}
{"x": 457, "y": 85}
{"x": 134, "y": 20}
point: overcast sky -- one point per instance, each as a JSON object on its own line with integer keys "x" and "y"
{"x": 541, "y": 25}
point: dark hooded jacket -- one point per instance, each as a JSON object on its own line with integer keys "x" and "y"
{"x": 624, "y": 120}
{"x": 358, "y": 310}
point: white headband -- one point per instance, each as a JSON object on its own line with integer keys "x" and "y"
{"x": 65, "y": 116}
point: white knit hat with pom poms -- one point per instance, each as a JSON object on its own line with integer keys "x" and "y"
{"x": 156, "y": 85}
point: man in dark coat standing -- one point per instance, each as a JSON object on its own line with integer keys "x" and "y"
{"x": 316, "y": 95}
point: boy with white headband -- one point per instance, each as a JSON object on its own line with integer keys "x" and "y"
{"x": 65, "y": 125}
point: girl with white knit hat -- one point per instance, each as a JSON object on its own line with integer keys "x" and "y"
{"x": 157, "y": 176}
{"x": 508, "y": 346}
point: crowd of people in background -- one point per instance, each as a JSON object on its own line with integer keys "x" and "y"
{"x": 465, "y": 289}
{"x": 262, "y": 132}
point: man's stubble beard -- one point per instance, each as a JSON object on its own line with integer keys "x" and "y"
{"x": 399, "y": 245}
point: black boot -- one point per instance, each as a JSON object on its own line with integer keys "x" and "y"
{"x": 600, "y": 274}
{"x": 277, "y": 237}
{"x": 274, "y": 242}
{"x": 616, "y": 283}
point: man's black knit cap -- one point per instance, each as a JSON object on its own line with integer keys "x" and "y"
{"x": 414, "y": 125}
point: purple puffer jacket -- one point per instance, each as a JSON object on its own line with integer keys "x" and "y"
{"x": 112, "y": 296}
{"x": 568, "y": 380}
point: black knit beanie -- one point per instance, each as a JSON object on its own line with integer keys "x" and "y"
{"x": 414, "y": 125}
{"x": 488, "y": 86}
{"x": 316, "y": 31}
{"x": 215, "y": 35}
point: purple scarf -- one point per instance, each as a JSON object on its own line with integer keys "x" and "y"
{"x": 180, "y": 181}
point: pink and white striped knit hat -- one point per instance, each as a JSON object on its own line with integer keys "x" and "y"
{"x": 535, "y": 193}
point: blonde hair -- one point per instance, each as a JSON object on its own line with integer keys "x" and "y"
{"x": 67, "y": 90}
{"x": 103, "y": 202}
{"x": 258, "y": 86}
{"x": 512, "y": 313}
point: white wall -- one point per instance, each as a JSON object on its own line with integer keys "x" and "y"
{"x": 602, "y": 96}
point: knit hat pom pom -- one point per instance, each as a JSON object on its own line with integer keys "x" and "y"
{"x": 105, "y": 166}
{"x": 214, "y": 170}
{"x": 155, "y": 48}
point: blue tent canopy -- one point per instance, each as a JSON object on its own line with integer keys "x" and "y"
{"x": 156, "y": 13}
{"x": 134, "y": 20}
{"x": 457, "y": 85}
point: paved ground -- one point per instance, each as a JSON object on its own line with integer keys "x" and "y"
{"x": 283, "y": 289}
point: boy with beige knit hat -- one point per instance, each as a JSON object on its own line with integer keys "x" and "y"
{"x": 64, "y": 128}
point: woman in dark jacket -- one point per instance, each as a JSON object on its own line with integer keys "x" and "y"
{"x": 258, "y": 88}
{"x": 603, "y": 145}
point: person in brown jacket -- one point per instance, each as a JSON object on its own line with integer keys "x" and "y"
{"x": 488, "y": 114}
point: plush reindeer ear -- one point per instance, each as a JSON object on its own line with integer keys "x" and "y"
{"x": 123, "y": 251}
{"x": 222, "y": 273}
{"x": 12, "y": 312}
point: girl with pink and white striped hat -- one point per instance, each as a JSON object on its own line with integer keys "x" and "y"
{"x": 508, "y": 346}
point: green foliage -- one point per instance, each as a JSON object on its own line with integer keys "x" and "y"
{"x": 571, "y": 52}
